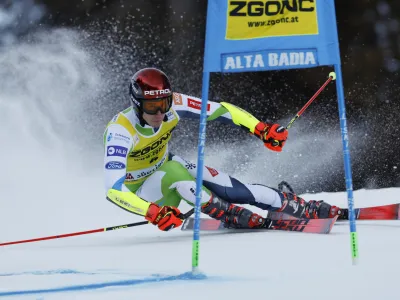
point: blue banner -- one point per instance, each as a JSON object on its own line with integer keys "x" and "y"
{"x": 248, "y": 36}
{"x": 269, "y": 35}
{"x": 269, "y": 60}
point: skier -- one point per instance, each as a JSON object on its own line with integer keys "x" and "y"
{"x": 144, "y": 178}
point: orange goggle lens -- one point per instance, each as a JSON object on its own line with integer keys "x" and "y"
{"x": 152, "y": 106}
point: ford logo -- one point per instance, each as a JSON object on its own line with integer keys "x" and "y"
{"x": 115, "y": 165}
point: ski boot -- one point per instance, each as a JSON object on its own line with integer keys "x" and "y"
{"x": 233, "y": 216}
{"x": 344, "y": 215}
{"x": 295, "y": 206}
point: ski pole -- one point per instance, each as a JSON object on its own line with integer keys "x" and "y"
{"x": 184, "y": 216}
{"x": 332, "y": 76}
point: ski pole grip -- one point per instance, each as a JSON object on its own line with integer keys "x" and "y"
{"x": 275, "y": 143}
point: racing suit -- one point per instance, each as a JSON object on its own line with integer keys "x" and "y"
{"x": 139, "y": 168}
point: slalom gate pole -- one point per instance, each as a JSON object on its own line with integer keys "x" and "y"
{"x": 199, "y": 176}
{"x": 347, "y": 166}
{"x": 184, "y": 216}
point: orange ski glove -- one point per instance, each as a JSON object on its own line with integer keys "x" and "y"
{"x": 165, "y": 217}
{"x": 274, "y": 136}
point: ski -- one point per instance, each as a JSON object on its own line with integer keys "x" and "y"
{"x": 383, "y": 212}
{"x": 322, "y": 226}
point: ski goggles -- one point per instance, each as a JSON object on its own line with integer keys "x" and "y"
{"x": 152, "y": 106}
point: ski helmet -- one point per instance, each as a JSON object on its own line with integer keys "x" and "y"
{"x": 150, "y": 91}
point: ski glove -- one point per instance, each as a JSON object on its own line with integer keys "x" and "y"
{"x": 274, "y": 136}
{"x": 165, "y": 217}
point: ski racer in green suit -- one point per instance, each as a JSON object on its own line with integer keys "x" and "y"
{"x": 144, "y": 178}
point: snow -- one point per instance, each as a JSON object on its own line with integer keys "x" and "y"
{"x": 129, "y": 263}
